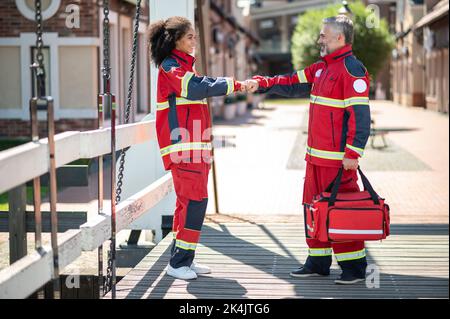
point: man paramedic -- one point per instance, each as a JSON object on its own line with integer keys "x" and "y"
{"x": 338, "y": 130}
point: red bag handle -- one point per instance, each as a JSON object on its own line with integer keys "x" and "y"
{"x": 334, "y": 186}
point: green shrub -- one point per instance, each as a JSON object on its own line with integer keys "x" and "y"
{"x": 372, "y": 46}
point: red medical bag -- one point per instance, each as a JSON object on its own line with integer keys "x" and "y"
{"x": 358, "y": 216}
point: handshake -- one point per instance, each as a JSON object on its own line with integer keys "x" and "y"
{"x": 249, "y": 86}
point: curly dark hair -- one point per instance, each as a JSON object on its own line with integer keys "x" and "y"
{"x": 162, "y": 36}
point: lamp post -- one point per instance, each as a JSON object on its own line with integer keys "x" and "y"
{"x": 345, "y": 10}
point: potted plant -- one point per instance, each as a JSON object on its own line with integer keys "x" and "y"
{"x": 241, "y": 104}
{"x": 216, "y": 106}
{"x": 229, "y": 108}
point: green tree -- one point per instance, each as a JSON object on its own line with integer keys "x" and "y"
{"x": 371, "y": 45}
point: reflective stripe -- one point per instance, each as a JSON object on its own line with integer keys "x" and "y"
{"x": 230, "y": 84}
{"x": 310, "y": 228}
{"x": 180, "y": 101}
{"x": 180, "y": 147}
{"x": 327, "y": 101}
{"x": 338, "y": 156}
{"x": 185, "y": 83}
{"x": 351, "y": 255}
{"x": 356, "y": 231}
{"x": 339, "y": 103}
{"x": 317, "y": 252}
{"x": 356, "y": 101}
{"x": 302, "y": 76}
{"x": 185, "y": 245}
{"x": 358, "y": 150}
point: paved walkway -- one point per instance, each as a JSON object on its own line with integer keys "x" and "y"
{"x": 260, "y": 168}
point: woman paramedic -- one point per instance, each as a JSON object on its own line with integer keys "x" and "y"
{"x": 183, "y": 128}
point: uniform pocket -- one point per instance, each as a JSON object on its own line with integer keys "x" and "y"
{"x": 328, "y": 84}
{"x": 189, "y": 181}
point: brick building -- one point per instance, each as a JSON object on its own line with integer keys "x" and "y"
{"x": 72, "y": 57}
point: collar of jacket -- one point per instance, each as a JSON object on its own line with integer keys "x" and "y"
{"x": 338, "y": 54}
{"x": 186, "y": 58}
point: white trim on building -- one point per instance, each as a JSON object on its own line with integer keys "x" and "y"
{"x": 52, "y": 41}
{"x": 30, "y": 14}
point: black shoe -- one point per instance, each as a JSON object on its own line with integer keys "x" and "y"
{"x": 303, "y": 272}
{"x": 348, "y": 278}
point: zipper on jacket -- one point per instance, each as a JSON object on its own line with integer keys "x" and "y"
{"x": 312, "y": 114}
{"x": 332, "y": 128}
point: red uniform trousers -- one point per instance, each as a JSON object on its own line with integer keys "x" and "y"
{"x": 191, "y": 187}
{"x": 350, "y": 255}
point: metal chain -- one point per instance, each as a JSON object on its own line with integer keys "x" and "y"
{"x": 40, "y": 70}
{"x": 106, "y": 70}
{"x": 106, "y": 50}
{"x": 129, "y": 97}
{"x": 107, "y": 75}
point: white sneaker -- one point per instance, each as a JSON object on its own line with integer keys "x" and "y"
{"x": 184, "y": 273}
{"x": 200, "y": 269}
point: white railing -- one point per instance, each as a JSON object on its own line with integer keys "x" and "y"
{"x": 23, "y": 163}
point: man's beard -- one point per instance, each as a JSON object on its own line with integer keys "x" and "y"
{"x": 323, "y": 51}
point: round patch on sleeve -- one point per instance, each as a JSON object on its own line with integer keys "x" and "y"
{"x": 318, "y": 73}
{"x": 360, "y": 86}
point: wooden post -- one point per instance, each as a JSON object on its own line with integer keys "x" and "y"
{"x": 17, "y": 223}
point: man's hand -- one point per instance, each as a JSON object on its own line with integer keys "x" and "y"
{"x": 350, "y": 164}
{"x": 252, "y": 86}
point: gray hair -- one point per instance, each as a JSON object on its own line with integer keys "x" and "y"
{"x": 341, "y": 24}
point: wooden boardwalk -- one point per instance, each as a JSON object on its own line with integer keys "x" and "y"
{"x": 254, "y": 260}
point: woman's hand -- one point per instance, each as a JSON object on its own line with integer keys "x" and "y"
{"x": 252, "y": 85}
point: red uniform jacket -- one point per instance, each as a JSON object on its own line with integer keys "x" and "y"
{"x": 183, "y": 122}
{"x": 339, "y": 113}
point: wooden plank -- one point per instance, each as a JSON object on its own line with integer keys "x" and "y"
{"x": 16, "y": 167}
{"x": 248, "y": 262}
{"x": 66, "y": 220}
{"x": 35, "y": 270}
{"x": 136, "y": 205}
{"x": 17, "y": 223}
{"x": 31, "y": 272}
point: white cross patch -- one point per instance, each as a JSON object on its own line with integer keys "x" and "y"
{"x": 360, "y": 86}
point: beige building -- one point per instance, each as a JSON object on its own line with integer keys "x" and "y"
{"x": 72, "y": 57}
{"x": 420, "y": 59}
{"x": 432, "y": 28}
{"x": 408, "y": 76}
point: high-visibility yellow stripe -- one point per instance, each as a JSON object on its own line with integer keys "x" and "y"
{"x": 230, "y": 84}
{"x": 302, "y": 76}
{"x": 185, "y": 245}
{"x": 352, "y": 255}
{"x": 180, "y": 147}
{"x": 319, "y": 252}
{"x": 358, "y": 150}
{"x": 180, "y": 101}
{"x": 185, "y": 83}
{"x": 359, "y": 100}
{"x": 338, "y": 156}
{"x": 339, "y": 103}
{"x": 327, "y": 101}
